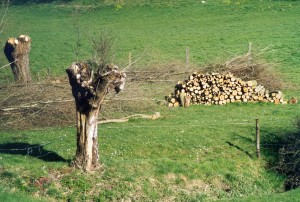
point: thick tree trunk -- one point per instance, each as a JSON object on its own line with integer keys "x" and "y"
{"x": 87, "y": 155}
{"x": 17, "y": 53}
{"x": 89, "y": 91}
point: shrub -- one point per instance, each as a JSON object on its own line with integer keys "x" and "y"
{"x": 289, "y": 159}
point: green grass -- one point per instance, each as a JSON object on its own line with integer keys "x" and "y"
{"x": 202, "y": 152}
{"x": 287, "y": 196}
{"x": 198, "y": 153}
{"x": 15, "y": 197}
{"x": 214, "y": 31}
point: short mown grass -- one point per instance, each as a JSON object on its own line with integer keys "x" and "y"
{"x": 203, "y": 152}
{"x": 215, "y": 31}
{"x": 287, "y": 196}
{"x": 15, "y": 197}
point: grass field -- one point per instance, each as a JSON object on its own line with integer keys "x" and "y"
{"x": 190, "y": 154}
{"x": 287, "y": 196}
{"x": 194, "y": 154}
{"x": 214, "y": 31}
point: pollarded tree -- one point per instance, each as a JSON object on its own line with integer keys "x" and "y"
{"x": 17, "y": 52}
{"x": 89, "y": 90}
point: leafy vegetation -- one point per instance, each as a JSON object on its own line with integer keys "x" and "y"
{"x": 289, "y": 156}
{"x": 193, "y": 154}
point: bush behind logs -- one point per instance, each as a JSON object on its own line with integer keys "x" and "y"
{"x": 247, "y": 69}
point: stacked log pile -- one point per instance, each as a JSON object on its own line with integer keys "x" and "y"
{"x": 220, "y": 89}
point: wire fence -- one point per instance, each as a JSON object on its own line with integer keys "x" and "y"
{"x": 38, "y": 151}
{"x": 50, "y": 103}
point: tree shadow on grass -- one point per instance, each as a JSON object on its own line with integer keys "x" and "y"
{"x": 22, "y": 2}
{"x": 33, "y": 150}
{"x": 245, "y": 139}
{"x": 239, "y": 148}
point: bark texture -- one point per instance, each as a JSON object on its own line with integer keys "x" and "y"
{"x": 17, "y": 52}
{"x": 89, "y": 90}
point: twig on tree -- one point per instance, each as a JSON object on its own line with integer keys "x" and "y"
{"x": 3, "y": 19}
{"x": 127, "y": 67}
{"x": 8, "y": 64}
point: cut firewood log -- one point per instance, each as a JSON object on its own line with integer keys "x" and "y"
{"x": 252, "y": 83}
{"x": 220, "y": 89}
{"x": 278, "y": 95}
{"x": 176, "y": 104}
{"x": 234, "y": 92}
{"x": 293, "y": 100}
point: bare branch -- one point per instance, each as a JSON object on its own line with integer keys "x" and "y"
{"x": 5, "y": 4}
{"x": 128, "y": 66}
{"x": 9, "y": 64}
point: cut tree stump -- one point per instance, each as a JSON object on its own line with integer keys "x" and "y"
{"x": 17, "y": 51}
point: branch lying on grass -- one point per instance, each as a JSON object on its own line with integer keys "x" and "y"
{"x": 34, "y": 104}
{"x": 122, "y": 120}
{"x": 125, "y": 119}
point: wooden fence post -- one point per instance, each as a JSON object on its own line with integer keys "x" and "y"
{"x": 129, "y": 59}
{"x": 48, "y": 72}
{"x": 250, "y": 53}
{"x": 257, "y": 139}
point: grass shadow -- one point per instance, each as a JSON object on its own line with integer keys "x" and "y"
{"x": 33, "y": 150}
{"x": 239, "y": 148}
{"x": 240, "y": 137}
